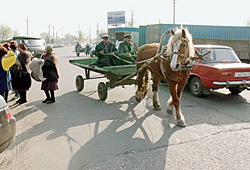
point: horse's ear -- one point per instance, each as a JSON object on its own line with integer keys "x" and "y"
{"x": 183, "y": 33}
{"x": 172, "y": 32}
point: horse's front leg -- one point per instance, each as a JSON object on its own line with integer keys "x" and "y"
{"x": 155, "y": 85}
{"x": 179, "y": 116}
{"x": 170, "y": 103}
{"x": 174, "y": 102}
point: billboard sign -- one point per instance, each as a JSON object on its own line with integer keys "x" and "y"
{"x": 117, "y": 17}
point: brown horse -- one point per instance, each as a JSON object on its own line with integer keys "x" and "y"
{"x": 172, "y": 65}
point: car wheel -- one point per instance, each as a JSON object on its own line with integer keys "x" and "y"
{"x": 235, "y": 90}
{"x": 79, "y": 83}
{"x": 196, "y": 87}
{"x": 102, "y": 91}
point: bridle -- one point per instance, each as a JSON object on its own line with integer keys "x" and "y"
{"x": 176, "y": 46}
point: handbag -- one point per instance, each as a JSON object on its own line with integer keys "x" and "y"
{"x": 21, "y": 79}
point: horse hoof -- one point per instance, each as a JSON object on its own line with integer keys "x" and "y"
{"x": 181, "y": 123}
{"x": 157, "y": 107}
{"x": 138, "y": 99}
{"x": 169, "y": 111}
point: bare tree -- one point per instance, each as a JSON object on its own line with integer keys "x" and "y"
{"x": 81, "y": 36}
{"x": 6, "y": 33}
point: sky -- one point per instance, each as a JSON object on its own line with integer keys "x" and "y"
{"x": 70, "y": 16}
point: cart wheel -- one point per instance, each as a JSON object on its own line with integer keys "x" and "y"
{"x": 79, "y": 83}
{"x": 102, "y": 91}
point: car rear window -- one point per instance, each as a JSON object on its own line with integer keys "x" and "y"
{"x": 220, "y": 55}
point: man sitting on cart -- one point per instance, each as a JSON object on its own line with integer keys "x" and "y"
{"x": 126, "y": 49}
{"x": 105, "y": 52}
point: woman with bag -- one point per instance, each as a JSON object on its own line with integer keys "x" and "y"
{"x": 51, "y": 73}
{"x": 21, "y": 80}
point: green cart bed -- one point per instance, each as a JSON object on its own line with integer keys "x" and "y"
{"x": 117, "y": 75}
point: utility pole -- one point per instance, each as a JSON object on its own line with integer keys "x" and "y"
{"x": 53, "y": 34}
{"x": 80, "y": 34}
{"x": 174, "y": 11}
{"x": 48, "y": 36}
{"x": 62, "y": 37}
{"x": 90, "y": 35}
{"x": 97, "y": 33}
{"x": 56, "y": 38}
{"x": 27, "y": 26}
{"x": 132, "y": 18}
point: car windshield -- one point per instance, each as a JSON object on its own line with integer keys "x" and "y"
{"x": 221, "y": 55}
{"x": 33, "y": 43}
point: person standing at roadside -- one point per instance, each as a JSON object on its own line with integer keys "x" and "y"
{"x": 78, "y": 49}
{"x": 7, "y": 46}
{"x": 21, "y": 79}
{"x": 51, "y": 73}
{"x": 5, "y": 64}
{"x": 13, "y": 47}
{"x": 87, "y": 49}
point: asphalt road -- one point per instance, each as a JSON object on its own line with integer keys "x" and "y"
{"x": 80, "y": 131}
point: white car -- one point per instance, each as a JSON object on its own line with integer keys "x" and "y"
{"x": 7, "y": 126}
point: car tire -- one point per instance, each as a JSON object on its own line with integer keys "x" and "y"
{"x": 235, "y": 90}
{"x": 79, "y": 83}
{"x": 196, "y": 87}
{"x": 102, "y": 91}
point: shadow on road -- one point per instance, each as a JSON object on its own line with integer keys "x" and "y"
{"x": 126, "y": 130}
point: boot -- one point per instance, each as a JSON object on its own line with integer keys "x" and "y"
{"x": 51, "y": 101}
{"x": 52, "y": 98}
{"x": 46, "y": 100}
{"x": 47, "y": 96}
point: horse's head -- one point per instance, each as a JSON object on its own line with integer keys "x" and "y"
{"x": 180, "y": 48}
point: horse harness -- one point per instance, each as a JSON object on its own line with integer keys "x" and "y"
{"x": 163, "y": 57}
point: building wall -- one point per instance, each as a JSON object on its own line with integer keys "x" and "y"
{"x": 236, "y": 37}
{"x": 112, "y": 32}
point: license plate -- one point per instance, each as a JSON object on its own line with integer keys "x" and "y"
{"x": 242, "y": 74}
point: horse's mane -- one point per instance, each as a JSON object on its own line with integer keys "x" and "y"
{"x": 177, "y": 36}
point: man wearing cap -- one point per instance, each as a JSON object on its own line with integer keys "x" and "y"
{"x": 126, "y": 47}
{"x": 105, "y": 51}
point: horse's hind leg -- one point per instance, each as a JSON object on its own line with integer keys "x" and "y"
{"x": 156, "y": 104}
{"x": 139, "y": 82}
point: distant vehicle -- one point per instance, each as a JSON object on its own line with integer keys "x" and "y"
{"x": 53, "y": 45}
{"x": 34, "y": 44}
{"x": 60, "y": 45}
{"x": 7, "y": 126}
{"x": 220, "y": 69}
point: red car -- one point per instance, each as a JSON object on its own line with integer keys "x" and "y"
{"x": 220, "y": 69}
